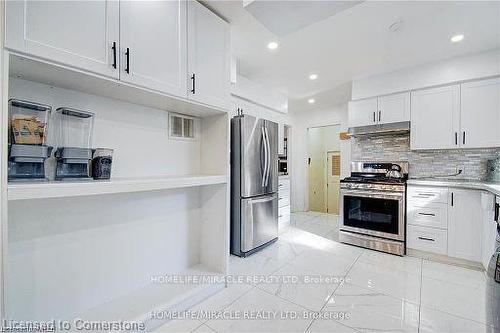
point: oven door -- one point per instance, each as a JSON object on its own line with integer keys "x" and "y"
{"x": 374, "y": 213}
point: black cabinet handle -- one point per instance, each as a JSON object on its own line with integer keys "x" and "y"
{"x": 374, "y": 119}
{"x": 497, "y": 212}
{"x": 379, "y": 115}
{"x": 193, "y": 79}
{"x": 427, "y": 239}
{"x": 456, "y": 139}
{"x": 127, "y": 55}
{"x": 427, "y": 214}
{"x": 114, "y": 54}
{"x": 452, "y": 198}
{"x": 464, "y": 138}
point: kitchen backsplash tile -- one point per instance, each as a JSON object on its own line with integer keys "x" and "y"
{"x": 428, "y": 163}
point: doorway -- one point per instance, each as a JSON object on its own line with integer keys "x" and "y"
{"x": 324, "y": 168}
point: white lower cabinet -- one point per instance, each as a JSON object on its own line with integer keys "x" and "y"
{"x": 427, "y": 239}
{"x": 450, "y": 227}
{"x": 283, "y": 203}
{"x": 465, "y": 224}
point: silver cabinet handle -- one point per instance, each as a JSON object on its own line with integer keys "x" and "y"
{"x": 427, "y": 214}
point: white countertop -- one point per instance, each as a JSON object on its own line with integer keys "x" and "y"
{"x": 461, "y": 183}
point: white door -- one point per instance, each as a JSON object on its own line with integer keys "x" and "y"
{"x": 435, "y": 118}
{"x": 81, "y": 34}
{"x": 333, "y": 182}
{"x": 208, "y": 56}
{"x": 465, "y": 224}
{"x": 480, "y": 114}
{"x": 153, "y": 45}
{"x": 317, "y": 169}
{"x": 394, "y": 108}
{"x": 363, "y": 112}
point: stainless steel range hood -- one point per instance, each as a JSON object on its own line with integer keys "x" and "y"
{"x": 400, "y": 127}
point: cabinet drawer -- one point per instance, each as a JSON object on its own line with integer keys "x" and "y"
{"x": 428, "y": 194}
{"x": 283, "y": 201}
{"x": 423, "y": 214}
{"x": 283, "y": 184}
{"x": 284, "y": 193}
{"x": 427, "y": 239}
{"x": 284, "y": 211}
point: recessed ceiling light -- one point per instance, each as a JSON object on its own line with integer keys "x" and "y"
{"x": 457, "y": 38}
{"x": 311, "y": 101}
{"x": 313, "y": 76}
{"x": 272, "y": 45}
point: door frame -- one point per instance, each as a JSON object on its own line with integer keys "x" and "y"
{"x": 335, "y": 123}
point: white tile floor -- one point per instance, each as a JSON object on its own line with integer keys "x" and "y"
{"x": 367, "y": 292}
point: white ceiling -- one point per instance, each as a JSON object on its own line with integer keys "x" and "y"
{"x": 355, "y": 42}
{"x": 284, "y": 17}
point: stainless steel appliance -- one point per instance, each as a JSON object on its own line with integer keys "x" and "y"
{"x": 493, "y": 281}
{"x": 373, "y": 206}
{"x": 254, "y": 184}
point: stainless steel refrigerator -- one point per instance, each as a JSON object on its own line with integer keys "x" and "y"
{"x": 254, "y": 184}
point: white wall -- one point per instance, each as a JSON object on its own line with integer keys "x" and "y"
{"x": 249, "y": 90}
{"x": 301, "y": 121}
{"x": 457, "y": 69}
{"x": 258, "y": 111}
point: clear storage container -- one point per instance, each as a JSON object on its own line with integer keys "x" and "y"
{"x": 28, "y": 122}
{"x": 75, "y": 128}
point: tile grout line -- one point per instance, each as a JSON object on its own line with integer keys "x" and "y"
{"x": 333, "y": 292}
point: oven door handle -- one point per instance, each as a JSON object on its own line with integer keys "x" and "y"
{"x": 372, "y": 194}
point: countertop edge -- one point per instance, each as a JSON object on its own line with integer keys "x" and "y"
{"x": 479, "y": 185}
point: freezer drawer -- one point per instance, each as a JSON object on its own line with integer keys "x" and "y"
{"x": 259, "y": 221}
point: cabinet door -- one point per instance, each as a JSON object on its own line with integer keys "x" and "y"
{"x": 80, "y": 34}
{"x": 154, "y": 35}
{"x": 208, "y": 56}
{"x": 281, "y": 138}
{"x": 394, "y": 108}
{"x": 363, "y": 112}
{"x": 435, "y": 118}
{"x": 480, "y": 114}
{"x": 465, "y": 224}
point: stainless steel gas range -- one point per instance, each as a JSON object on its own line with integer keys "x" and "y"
{"x": 373, "y": 206}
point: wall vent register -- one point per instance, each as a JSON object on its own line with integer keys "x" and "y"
{"x": 181, "y": 126}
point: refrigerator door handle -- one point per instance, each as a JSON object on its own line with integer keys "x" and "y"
{"x": 268, "y": 156}
{"x": 265, "y": 157}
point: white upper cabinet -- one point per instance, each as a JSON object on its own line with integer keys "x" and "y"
{"x": 435, "y": 118}
{"x": 208, "y": 56}
{"x": 380, "y": 110}
{"x": 153, "y": 45}
{"x": 394, "y": 108}
{"x": 480, "y": 114}
{"x": 81, "y": 34}
{"x": 465, "y": 224}
{"x": 363, "y": 112}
